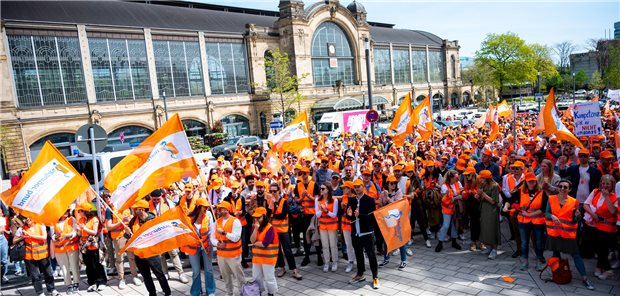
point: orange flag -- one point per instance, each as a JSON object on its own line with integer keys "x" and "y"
{"x": 272, "y": 162}
{"x": 163, "y": 158}
{"x": 503, "y": 109}
{"x": 553, "y": 124}
{"x": 169, "y": 231}
{"x": 295, "y": 137}
{"x": 47, "y": 189}
{"x": 393, "y": 220}
{"x": 87, "y": 196}
{"x": 423, "y": 119}
{"x": 494, "y": 124}
{"x": 402, "y": 124}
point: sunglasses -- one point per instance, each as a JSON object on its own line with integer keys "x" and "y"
{"x": 563, "y": 187}
{"x": 285, "y": 179}
{"x": 323, "y": 188}
{"x": 273, "y": 191}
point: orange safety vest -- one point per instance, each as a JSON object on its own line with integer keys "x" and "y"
{"x": 372, "y": 191}
{"x": 307, "y": 203}
{"x": 345, "y": 224}
{"x": 325, "y": 221}
{"x": 567, "y": 228}
{"x": 430, "y": 182}
{"x": 267, "y": 254}
{"x": 608, "y": 224}
{"x": 163, "y": 207}
{"x": 35, "y": 249}
{"x": 227, "y": 248}
{"x": 204, "y": 238}
{"x": 237, "y": 204}
{"x": 334, "y": 166}
{"x": 447, "y": 205}
{"x": 192, "y": 204}
{"x": 90, "y": 224}
{"x": 377, "y": 179}
{"x": 280, "y": 225}
{"x": 69, "y": 244}
{"x": 120, "y": 230}
{"x": 526, "y": 206}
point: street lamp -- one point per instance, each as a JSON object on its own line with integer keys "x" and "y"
{"x": 573, "y": 87}
{"x": 367, "y": 50}
{"x": 165, "y": 104}
{"x": 538, "y": 91}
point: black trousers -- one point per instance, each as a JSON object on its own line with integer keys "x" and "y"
{"x": 145, "y": 266}
{"x": 473, "y": 211}
{"x": 40, "y": 270}
{"x": 246, "y": 233}
{"x": 418, "y": 214}
{"x": 307, "y": 218}
{"x": 297, "y": 225}
{"x": 94, "y": 270}
{"x": 361, "y": 245}
{"x": 285, "y": 251}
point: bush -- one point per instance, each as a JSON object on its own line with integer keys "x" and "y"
{"x": 215, "y": 139}
{"x": 197, "y": 144}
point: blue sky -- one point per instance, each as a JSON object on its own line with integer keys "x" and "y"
{"x": 536, "y": 21}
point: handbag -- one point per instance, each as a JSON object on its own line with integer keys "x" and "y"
{"x": 17, "y": 252}
{"x": 250, "y": 289}
{"x": 560, "y": 271}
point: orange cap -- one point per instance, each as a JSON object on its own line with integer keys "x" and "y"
{"x": 485, "y": 174}
{"x": 529, "y": 176}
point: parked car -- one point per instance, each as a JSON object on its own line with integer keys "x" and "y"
{"x": 227, "y": 149}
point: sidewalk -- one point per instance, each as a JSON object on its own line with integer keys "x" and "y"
{"x": 450, "y": 272}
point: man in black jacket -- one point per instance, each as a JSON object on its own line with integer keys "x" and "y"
{"x": 360, "y": 210}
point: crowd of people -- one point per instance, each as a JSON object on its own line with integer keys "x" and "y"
{"x": 459, "y": 186}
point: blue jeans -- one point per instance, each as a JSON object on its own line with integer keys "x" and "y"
{"x": 196, "y": 287}
{"x": 4, "y": 254}
{"x": 579, "y": 265}
{"x": 402, "y": 250}
{"x": 443, "y": 231}
{"x": 525, "y": 230}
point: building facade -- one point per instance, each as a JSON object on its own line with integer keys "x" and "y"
{"x": 123, "y": 64}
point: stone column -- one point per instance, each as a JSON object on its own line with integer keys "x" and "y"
{"x": 86, "y": 65}
{"x": 204, "y": 63}
{"x": 148, "y": 40}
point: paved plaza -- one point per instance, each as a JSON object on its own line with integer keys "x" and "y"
{"x": 450, "y": 272}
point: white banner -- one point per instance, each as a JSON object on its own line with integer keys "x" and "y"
{"x": 587, "y": 118}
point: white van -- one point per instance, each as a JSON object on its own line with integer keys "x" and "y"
{"x": 106, "y": 161}
{"x": 335, "y": 123}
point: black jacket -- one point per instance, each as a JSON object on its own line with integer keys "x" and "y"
{"x": 572, "y": 173}
{"x": 366, "y": 217}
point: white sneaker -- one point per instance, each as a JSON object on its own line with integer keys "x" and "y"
{"x": 334, "y": 267}
{"x": 326, "y": 267}
{"x": 183, "y": 279}
{"x": 55, "y": 273}
{"x": 92, "y": 288}
{"x": 5, "y": 279}
{"x": 100, "y": 287}
{"x": 409, "y": 252}
{"x": 349, "y": 267}
{"x": 122, "y": 285}
{"x": 428, "y": 244}
{"x": 431, "y": 236}
{"x": 137, "y": 281}
{"x": 55, "y": 293}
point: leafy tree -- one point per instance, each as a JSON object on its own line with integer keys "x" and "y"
{"x": 509, "y": 58}
{"x": 596, "y": 81}
{"x": 554, "y": 81}
{"x": 581, "y": 78}
{"x": 563, "y": 50}
{"x": 480, "y": 74}
{"x": 611, "y": 71}
{"x": 281, "y": 83}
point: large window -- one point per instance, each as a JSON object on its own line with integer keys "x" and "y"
{"x": 228, "y": 72}
{"x": 236, "y": 125}
{"x": 402, "y": 73}
{"x": 47, "y": 70}
{"x": 120, "y": 69}
{"x": 436, "y": 66}
{"x": 178, "y": 67}
{"x": 62, "y": 142}
{"x": 332, "y": 57}
{"x": 383, "y": 72}
{"x": 131, "y": 134}
{"x": 419, "y": 65}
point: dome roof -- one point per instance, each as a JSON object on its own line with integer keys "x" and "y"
{"x": 356, "y": 7}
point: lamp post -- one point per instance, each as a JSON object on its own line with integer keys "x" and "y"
{"x": 165, "y": 104}
{"x": 573, "y": 87}
{"x": 538, "y": 87}
{"x": 367, "y": 50}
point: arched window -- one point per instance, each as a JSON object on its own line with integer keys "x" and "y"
{"x": 263, "y": 123}
{"x": 194, "y": 128}
{"x": 454, "y": 98}
{"x": 332, "y": 56}
{"x": 131, "y": 134}
{"x": 62, "y": 141}
{"x": 269, "y": 70}
{"x": 236, "y": 125}
{"x": 453, "y": 65}
{"x": 289, "y": 115}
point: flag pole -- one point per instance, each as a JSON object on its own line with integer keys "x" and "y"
{"x": 514, "y": 125}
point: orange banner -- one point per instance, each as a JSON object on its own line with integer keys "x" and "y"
{"x": 423, "y": 119}
{"x": 47, "y": 189}
{"x": 173, "y": 229}
{"x": 393, "y": 220}
{"x": 402, "y": 125}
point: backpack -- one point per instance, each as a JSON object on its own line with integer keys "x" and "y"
{"x": 560, "y": 271}
{"x": 250, "y": 289}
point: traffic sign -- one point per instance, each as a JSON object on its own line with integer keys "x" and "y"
{"x": 276, "y": 124}
{"x": 82, "y": 138}
{"x": 372, "y": 116}
{"x": 538, "y": 96}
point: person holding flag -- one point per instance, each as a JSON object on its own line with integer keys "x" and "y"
{"x": 37, "y": 258}
{"x": 88, "y": 227}
{"x": 66, "y": 250}
{"x": 388, "y": 196}
{"x": 116, "y": 229}
{"x": 265, "y": 247}
{"x": 148, "y": 264}
{"x": 203, "y": 222}
{"x": 228, "y": 235}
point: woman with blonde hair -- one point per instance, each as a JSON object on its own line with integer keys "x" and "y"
{"x": 548, "y": 180}
{"x": 451, "y": 192}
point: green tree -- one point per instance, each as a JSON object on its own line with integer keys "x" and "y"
{"x": 481, "y": 75}
{"x": 596, "y": 81}
{"x": 281, "y": 83}
{"x": 554, "y": 81}
{"x": 580, "y": 79}
{"x": 611, "y": 71}
{"x": 543, "y": 61}
{"x": 509, "y": 57}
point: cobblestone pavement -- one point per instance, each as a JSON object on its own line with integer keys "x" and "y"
{"x": 450, "y": 272}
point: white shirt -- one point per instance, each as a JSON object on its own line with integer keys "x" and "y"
{"x": 444, "y": 188}
{"x": 332, "y": 214}
{"x": 211, "y": 232}
{"x": 235, "y": 234}
{"x": 215, "y": 198}
{"x": 583, "y": 188}
{"x": 505, "y": 188}
{"x": 402, "y": 184}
